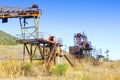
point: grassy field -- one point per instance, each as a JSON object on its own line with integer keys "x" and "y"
{"x": 12, "y": 68}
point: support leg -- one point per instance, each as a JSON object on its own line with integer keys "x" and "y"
{"x": 44, "y": 53}
{"x": 23, "y": 53}
{"x": 69, "y": 60}
{"x": 40, "y": 51}
{"x": 31, "y": 53}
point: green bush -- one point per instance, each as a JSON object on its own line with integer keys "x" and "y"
{"x": 36, "y": 56}
{"x": 85, "y": 77}
{"x": 27, "y": 69}
{"x": 59, "y": 70}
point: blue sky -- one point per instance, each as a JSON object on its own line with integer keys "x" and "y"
{"x": 99, "y": 19}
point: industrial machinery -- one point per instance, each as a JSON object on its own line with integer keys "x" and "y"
{"x": 31, "y": 40}
{"x": 82, "y": 46}
{"x": 25, "y": 15}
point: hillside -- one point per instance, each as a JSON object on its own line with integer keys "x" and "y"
{"x": 7, "y": 39}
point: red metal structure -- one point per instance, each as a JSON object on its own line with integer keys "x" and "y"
{"x": 81, "y": 46}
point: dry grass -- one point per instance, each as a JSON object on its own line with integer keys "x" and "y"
{"x": 17, "y": 70}
{"x": 10, "y": 69}
{"x": 10, "y": 52}
{"x": 85, "y": 70}
{"x": 104, "y": 71}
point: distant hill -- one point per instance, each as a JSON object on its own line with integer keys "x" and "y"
{"x": 7, "y": 39}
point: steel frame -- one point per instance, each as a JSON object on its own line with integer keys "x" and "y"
{"x": 33, "y": 38}
{"x": 47, "y": 49}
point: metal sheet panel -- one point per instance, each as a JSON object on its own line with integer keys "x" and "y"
{"x": 74, "y": 49}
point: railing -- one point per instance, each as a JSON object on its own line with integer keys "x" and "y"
{"x": 42, "y": 35}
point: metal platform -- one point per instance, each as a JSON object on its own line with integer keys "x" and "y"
{"x": 37, "y": 41}
{"x": 47, "y": 49}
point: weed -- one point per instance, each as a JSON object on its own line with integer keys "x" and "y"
{"x": 28, "y": 67}
{"x": 59, "y": 70}
{"x": 85, "y": 77}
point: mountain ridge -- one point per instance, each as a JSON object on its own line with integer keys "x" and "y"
{"x": 7, "y": 39}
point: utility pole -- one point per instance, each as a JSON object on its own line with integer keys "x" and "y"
{"x": 107, "y": 53}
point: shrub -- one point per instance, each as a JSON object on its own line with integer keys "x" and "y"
{"x": 59, "y": 70}
{"x": 27, "y": 69}
{"x": 85, "y": 77}
{"x": 31, "y": 69}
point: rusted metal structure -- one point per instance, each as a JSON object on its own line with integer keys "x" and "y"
{"x": 81, "y": 46}
{"x": 47, "y": 48}
{"x": 32, "y": 41}
{"x": 24, "y": 14}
